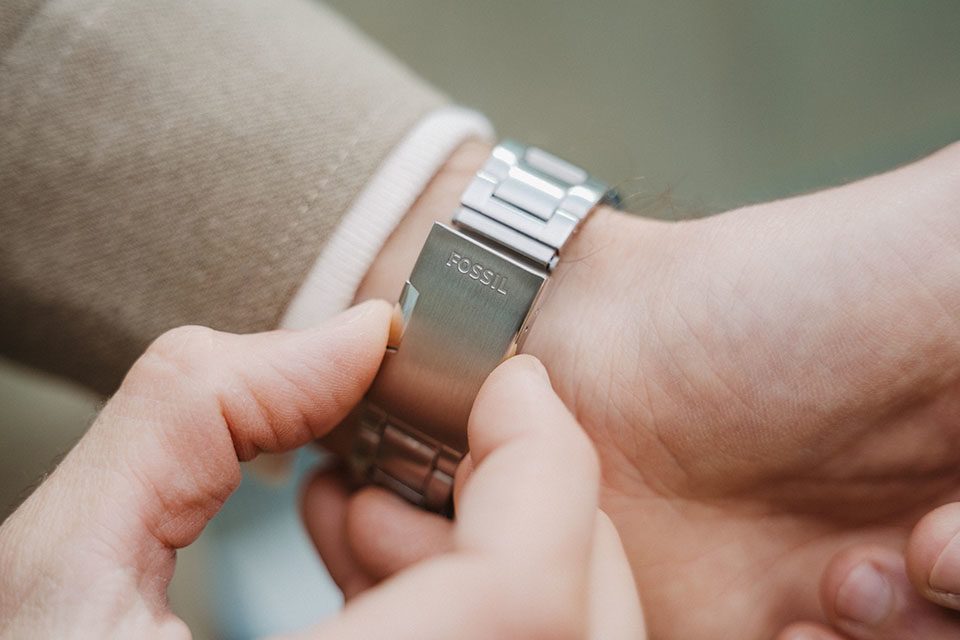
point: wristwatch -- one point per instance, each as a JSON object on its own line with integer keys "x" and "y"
{"x": 466, "y": 307}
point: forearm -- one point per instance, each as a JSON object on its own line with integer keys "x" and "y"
{"x": 182, "y": 163}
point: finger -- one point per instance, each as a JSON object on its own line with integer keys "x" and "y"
{"x": 324, "y": 508}
{"x": 614, "y": 604}
{"x": 387, "y": 534}
{"x": 524, "y": 529}
{"x": 866, "y": 595}
{"x": 809, "y": 631}
{"x": 933, "y": 556}
{"x": 163, "y": 455}
{"x": 534, "y": 471}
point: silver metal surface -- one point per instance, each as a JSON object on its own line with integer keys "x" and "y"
{"x": 471, "y": 305}
{"x": 528, "y": 191}
{"x": 470, "y": 293}
{"x": 402, "y": 459}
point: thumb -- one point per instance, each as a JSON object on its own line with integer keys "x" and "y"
{"x": 164, "y": 453}
{"x": 933, "y": 556}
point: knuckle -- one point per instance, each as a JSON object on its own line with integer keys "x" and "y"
{"x": 179, "y": 353}
{"x": 182, "y": 341}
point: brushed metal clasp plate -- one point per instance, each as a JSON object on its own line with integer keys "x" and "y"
{"x": 401, "y": 315}
{"x": 461, "y": 312}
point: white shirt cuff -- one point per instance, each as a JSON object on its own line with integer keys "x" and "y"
{"x": 333, "y": 280}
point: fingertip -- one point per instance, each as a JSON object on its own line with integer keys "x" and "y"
{"x": 322, "y": 496}
{"x": 858, "y": 586}
{"x": 533, "y": 468}
{"x": 373, "y": 310}
{"x": 356, "y": 334}
{"x": 527, "y": 364}
{"x": 519, "y": 374}
{"x": 371, "y": 509}
{"x": 516, "y": 400}
{"x": 387, "y": 534}
{"x": 329, "y": 368}
{"x": 356, "y": 337}
{"x": 867, "y": 595}
{"x": 933, "y": 556}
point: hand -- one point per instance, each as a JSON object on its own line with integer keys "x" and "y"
{"x": 876, "y": 593}
{"x": 765, "y": 388}
{"x": 529, "y": 556}
{"x": 92, "y": 551}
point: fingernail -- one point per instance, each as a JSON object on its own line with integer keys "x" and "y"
{"x": 531, "y": 365}
{"x": 865, "y": 596}
{"x": 945, "y": 575}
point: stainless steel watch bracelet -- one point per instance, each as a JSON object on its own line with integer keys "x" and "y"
{"x": 464, "y": 309}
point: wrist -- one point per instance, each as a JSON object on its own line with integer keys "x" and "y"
{"x": 386, "y": 275}
{"x": 603, "y": 263}
{"x": 606, "y": 233}
{"x": 588, "y": 324}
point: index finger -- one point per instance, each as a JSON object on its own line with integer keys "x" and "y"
{"x": 534, "y": 488}
{"x": 523, "y": 534}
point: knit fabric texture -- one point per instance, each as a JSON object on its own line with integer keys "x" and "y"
{"x": 176, "y": 162}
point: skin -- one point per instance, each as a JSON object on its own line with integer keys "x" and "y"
{"x": 91, "y": 552}
{"x": 774, "y": 394}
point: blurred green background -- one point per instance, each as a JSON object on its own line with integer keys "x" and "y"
{"x": 721, "y": 102}
{"x": 717, "y": 103}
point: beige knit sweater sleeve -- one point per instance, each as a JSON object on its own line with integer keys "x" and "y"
{"x": 164, "y": 163}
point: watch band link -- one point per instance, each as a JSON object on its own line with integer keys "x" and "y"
{"x": 399, "y": 458}
{"x": 528, "y": 201}
{"x": 524, "y": 203}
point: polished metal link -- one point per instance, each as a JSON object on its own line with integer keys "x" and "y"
{"x": 524, "y": 202}
{"x": 400, "y": 458}
{"x": 528, "y": 201}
